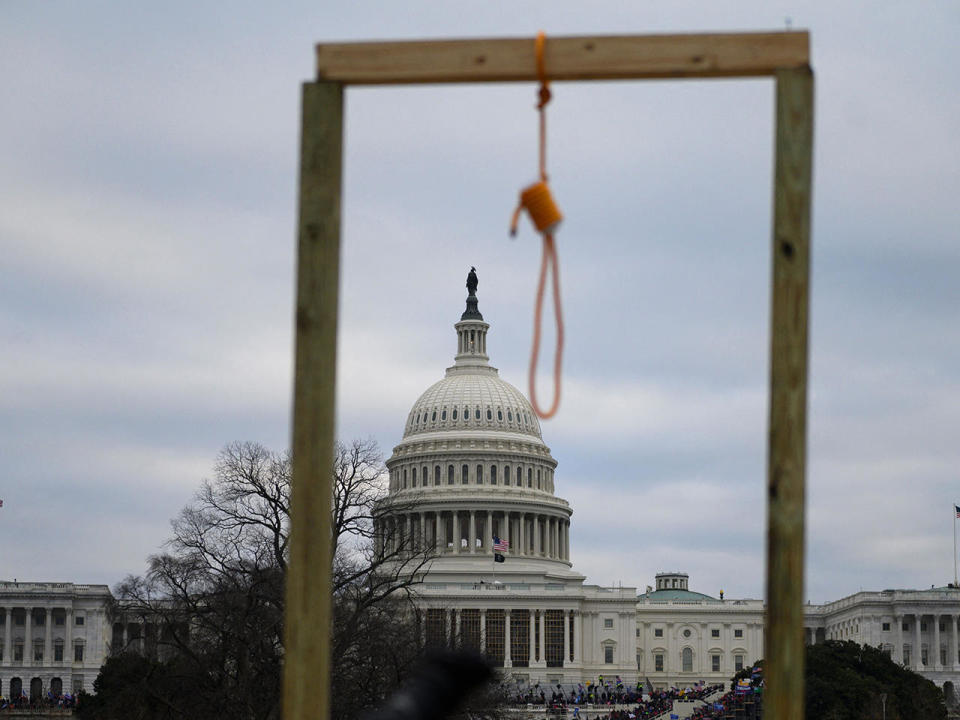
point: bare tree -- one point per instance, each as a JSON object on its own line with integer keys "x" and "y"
{"x": 216, "y": 595}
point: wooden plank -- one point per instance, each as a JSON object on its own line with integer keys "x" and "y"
{"x": 784, "y": 652}
{"x": 306, "y": 680}
{"x": 567, "y": 58}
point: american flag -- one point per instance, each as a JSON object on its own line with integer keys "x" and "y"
{"x": 500, "y": 545}
{"x": 955, "y": 507}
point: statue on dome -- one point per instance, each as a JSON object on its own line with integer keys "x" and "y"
{"x": 472, "y": 281}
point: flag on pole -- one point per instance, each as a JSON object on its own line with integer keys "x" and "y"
{"x": 497, "y": 557}
{"x": 955, "y": 507}
{"x": 499, "y": 545}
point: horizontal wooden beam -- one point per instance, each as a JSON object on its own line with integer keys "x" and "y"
{"x": 567, "y": 58}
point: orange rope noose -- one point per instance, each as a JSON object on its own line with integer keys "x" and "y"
{"x": 546, "y": 216}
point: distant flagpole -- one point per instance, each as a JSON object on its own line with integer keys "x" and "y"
{"x": 956, "y": 514}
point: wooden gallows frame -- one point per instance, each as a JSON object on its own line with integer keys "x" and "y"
{"x": 783, "y": 56}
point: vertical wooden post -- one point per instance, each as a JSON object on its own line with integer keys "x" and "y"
{"x": 306, "y": 677}
{"x": 784, "y": 652}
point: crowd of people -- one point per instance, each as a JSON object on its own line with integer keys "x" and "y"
{"x": 642, "y": 703}
{"x": 47, "y": 702}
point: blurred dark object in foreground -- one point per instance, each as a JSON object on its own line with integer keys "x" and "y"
{"x": 438, "y": 685}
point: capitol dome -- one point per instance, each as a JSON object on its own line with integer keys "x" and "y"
{"x": 472, "y": 465}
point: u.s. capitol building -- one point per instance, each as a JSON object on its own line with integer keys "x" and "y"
{"x": 472, "y": 466}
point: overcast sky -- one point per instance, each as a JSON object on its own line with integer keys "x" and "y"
{"x": 148, "y": 164}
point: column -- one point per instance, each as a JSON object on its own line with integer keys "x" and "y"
{"x": 441, "y": 533}
{"x": 48, "y": 636}
{"x": 918, "y": 656}
{"x": 8, "y": 644}
{"x": 507, "y": 657}
{"x": 543, "y": 639}
{"x": 506, "y": 527}
{"x": 555, "y": 536}
{"x": 536, "y": 534}
{"x": 483, "y": 631}
{"x": 566, "y": 638}
{"x": 954, "y": 661}
{"x": 577, "y": 637}
{"x": 521, "y": 547}
{"x": 28, "y": 637}
{"x": 488, "y": 533}
{"x": 68, "y": 635}
{"x": 934, "y": 653}
{"x": 566, "y": 537}
{"x": 423, "y": 530}
{"x": 898, "y": 650}
{"x": 457, "y": 633}
{"x": 533, "y": 648}
{"x": 456, "y": 531}
{"x": 473, "y": 531}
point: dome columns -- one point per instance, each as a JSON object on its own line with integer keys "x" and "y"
{"x": 471, "y": 532}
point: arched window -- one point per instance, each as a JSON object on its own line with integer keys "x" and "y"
{"x": 425, "y": 477}
{"x": 413, "y": 479}
{"x": 539, "y": 479}
{"x": 454, "y": 413}
{"x": 519, "y": 476}
{"x": 489, "y": 414}
{"x": 493, "y": 474}
{"x": 476, "y": 412}
{"x": 436, "y": 475}
{"x": 529, "y": 477}
{"x": 479, "y": 474}
{"x": 464, "y": 473}
{"x": 418, "y": 419}
{"x": 499, "y": 415}
{"x": 434, "y": 416}
{"x": 686, "y": 660}
{"x": 404, "y": 478}
{"x": 509, "y": 415}
{"x": 443, "y": 414}
{"x": 449, "y": 474}
{"x": 506, "y": 475}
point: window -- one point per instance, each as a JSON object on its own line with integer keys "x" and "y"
{"x": 78, "y": 653}
{"x": 529, "y": 478}
{"x": 466, "y": 412}
{"x": 658, "y": 662}
{"x": 479, "y": 474}
{"x": 418, "y": 419}
{"x": 443, "y": 414}
{"x": 77, "y": 683}
{"x": 489, "y": 414}
{"x": 18, "y": 652}
{"x": 715, "y": 632}
{"x": 18, "y": 620}
{"x": 509, "y": 416}
{"x": 476, "y": 413}
{"x": 413, "y": 479}
{"x": 943, "y": 654}
{"x": 58, "y": 652}
{"x": 454, "y": 413}
{"x": 923, "y": 627}
{"x": 539, "y": 486}
{"x": 436, "y": 475}
{"x": 38, "y": 652}
{"x": 449, "y": 474}
{"x": 686, "y": 660}
{"x": 506, "y": 475}
{"x": 906, "y": 654}
{"x": 499, "y": 414}
{"x": 493, "y": 474}
{"x": 923, "y": 655}
{"x": 906, "y": 626}
{"x": 943, "y": 627}
{"x": 715, "y": 663}
{"x": 738, "y": 633}
{"x": 608, "y": 654}
{"x": 404, "y": 478}
{"x": 519, "y": 477}
{"x": 433, "y": 418}
{"x": 464, "y": 474}
{"x": 886, "y": 627}
{"x": 638, "y": 632}
{"x": 738, "y": 663}
{"x": 658, "y": 632}
{"x": 58, "y": 620}
{"x": 608, "y": 622}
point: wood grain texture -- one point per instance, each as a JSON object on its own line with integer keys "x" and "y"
{"x": 567, "y": 58}
{"x": 786, "y": 455}
{"x": 306, "y": 679}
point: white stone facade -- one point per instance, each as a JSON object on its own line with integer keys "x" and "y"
{"x": 55, "y": 636}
